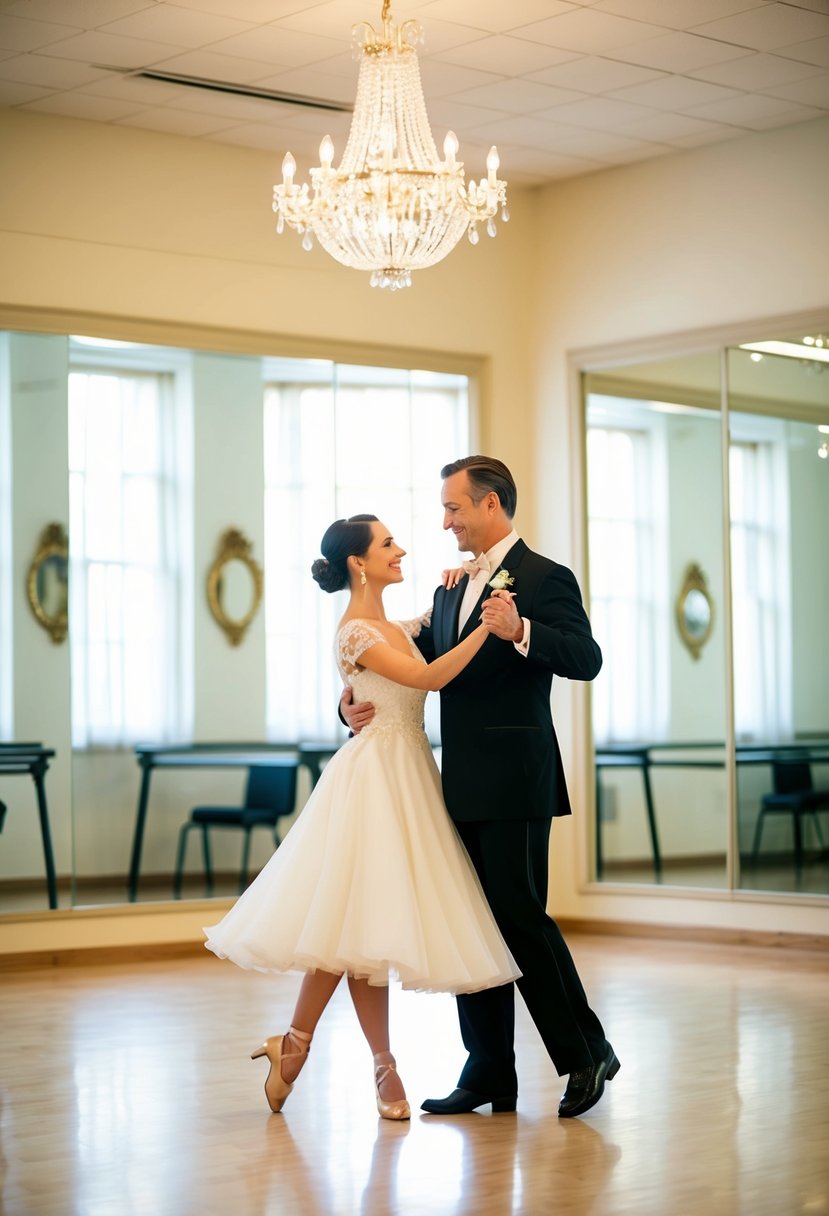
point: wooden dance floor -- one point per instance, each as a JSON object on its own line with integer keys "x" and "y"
{"x": 128, "y": 1091}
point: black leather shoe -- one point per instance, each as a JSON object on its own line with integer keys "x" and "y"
{"x": 586, "y": 1085}
{"x": 462, "y": 1101}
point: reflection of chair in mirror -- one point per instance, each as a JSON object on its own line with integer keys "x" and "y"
{"x": 270, "y": 795}
{"x": 793, "y": 795}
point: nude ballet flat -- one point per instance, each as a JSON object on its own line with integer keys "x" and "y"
{"x": 389, "y": 1110}
{"x": 277, "y": 1088}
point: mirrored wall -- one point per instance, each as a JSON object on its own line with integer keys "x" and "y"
{"x": 160, "y": 634}
{"x": 707, "y": 513}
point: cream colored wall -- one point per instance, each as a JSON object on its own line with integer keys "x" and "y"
{"x": 702, "y": 239}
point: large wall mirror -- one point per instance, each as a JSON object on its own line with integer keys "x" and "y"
{"x": 180, "y": 476}
{"x": 707, "y": 509}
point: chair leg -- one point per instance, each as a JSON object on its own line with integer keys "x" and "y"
{"x": 818, "y": 832}
{"x": 208, "y": 868}
{"x": 798, "y": 841}
{"x": 243, "y": 873}
{"x": 758, "y": 832}
{"x": 182, "y": 846}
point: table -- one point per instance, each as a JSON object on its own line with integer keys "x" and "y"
{"x": 33, "y": 759}
{"x": 308, "y": 754}
{"x": 646, "y": 757}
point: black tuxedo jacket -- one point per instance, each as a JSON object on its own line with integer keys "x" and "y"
{"x": 501, "y": 758}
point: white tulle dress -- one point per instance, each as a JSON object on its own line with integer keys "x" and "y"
{"x": 372, "y": 878}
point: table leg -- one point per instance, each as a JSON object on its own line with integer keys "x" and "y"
{"x": 657, "y": 856}
{"x": 140, "y": 821}
{"x": 38, "y": 773}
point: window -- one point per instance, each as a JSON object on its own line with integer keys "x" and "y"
{"x": 6, "y": 629}
{"x": 125, "y": 580}
{"x": 342, "y": 440}
{"x": 625, "y": 542}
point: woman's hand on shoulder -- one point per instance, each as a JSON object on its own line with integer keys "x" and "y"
{"x": 450, "y": 578}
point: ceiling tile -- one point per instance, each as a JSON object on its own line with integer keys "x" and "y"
{"x": 674, "y": 93}
{"x": 679, "y": 52}
{"x": 310, "y": 82}
{"x": 815, "y": 51}
{"x": 676, "y": 14}
{"x": 600, "y": 113}
{"x": 94, "y": 47}
{"x": 525, "y": 130}
{"x": 86, "y": 14}
{"x": 755, "y": 112}
{"x": 492, "y": 15}
{"x": 255, "y": 10}
{"x": 17, "y": 34}
{"x": 667, "y": 128}
{"x": 717, "y": 133}
{"x": 589, "y": 31}
{"x": 51, "y": 73}
{"x": 811, "y": 92}
{"x": 179, "y": 26}
{"x": 82, "y": 105}
{"x": 305, "y": 152}
{"x": 443, "y": 79}
{"x": 591, "y": 74}
{"x": 211, "y": 66}
{"x": 767, "y": 28}
{"x": 755, "y": 72}
{"x": 275, "y": 44}
{"x": 506, "y": 55}
{"x": 517, "y": 96}
{"x": 15, "y": 93}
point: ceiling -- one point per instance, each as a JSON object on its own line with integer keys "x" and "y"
{"x": 563, "y": 88}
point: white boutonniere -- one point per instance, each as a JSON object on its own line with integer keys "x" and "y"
{"x": 500, "y": 581}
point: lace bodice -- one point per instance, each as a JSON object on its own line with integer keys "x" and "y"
{"x": 398, "y": 710}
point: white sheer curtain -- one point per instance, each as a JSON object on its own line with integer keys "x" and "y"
{"x": 628, "y": 697}
{"x": 342, "y": 440}
{"x": 760, "y": 581}
{"x": 125, "y": 574}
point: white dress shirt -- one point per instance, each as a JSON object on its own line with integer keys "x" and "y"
{"x": 475, "y": 586}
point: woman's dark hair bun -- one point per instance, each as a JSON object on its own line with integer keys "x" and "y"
{"x": 326, "y": 576}
{"x": 345, "y": 538}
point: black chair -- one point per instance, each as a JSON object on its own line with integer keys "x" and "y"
{"x": 793, "y": 795}
{"x": 270, "y": 795}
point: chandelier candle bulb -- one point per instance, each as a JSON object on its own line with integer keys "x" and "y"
{"x": 392, "y": 206}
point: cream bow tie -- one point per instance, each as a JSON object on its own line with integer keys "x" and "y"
{"x": 479, "y": 563}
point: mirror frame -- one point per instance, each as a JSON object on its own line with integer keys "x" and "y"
{"x": 694, "y": 580}
{"x": 233, "y": 546}
{"x": 53, "y": 542}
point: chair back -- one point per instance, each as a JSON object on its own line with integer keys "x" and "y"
{"x": 791, "y": 776}
{"x": 271, "y": 787}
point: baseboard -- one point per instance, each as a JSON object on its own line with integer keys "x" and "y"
{"x": 702, "y": 934}
{"x": 106, "y": 956}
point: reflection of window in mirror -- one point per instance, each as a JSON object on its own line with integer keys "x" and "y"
{"x": 125, "y": 473}
{"x": 6, "y": 632}
{"x": 760, "y": 580}
{"x": 626, "y": 519}
{"x": 342, "y": 440}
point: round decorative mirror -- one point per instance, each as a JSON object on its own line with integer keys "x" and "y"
{"x": 694, "y": 610}
{"x": 234, "y": 585}
{"x": 47, "y": 583}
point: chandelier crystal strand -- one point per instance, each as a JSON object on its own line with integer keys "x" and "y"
{"x": 392, "y": 206}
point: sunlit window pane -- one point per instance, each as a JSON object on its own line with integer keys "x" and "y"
{"x": 342, "y": 440}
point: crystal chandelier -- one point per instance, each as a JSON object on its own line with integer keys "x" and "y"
{"x": 392, "y": 206}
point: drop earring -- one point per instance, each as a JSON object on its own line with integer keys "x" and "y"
{"x": 363, "y": 579}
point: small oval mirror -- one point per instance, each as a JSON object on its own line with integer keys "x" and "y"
{"x": 234, "y": 585}
{"x": 694, "y": 610}
{"x": 47, "y": 583}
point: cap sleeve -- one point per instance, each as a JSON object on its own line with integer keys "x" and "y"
{"x": 353, "y": 640}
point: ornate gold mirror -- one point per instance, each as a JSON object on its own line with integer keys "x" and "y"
{"x": 234, "y": 585}
{"x": 47, "y": 584}
{"x": 694, "y": 610}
